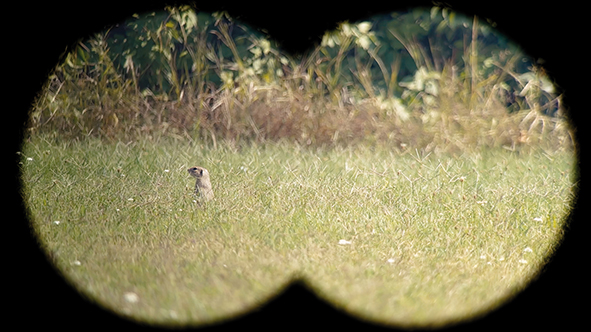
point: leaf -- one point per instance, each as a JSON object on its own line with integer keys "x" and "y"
{"x": 191, "y": 19}
{"x": 434, "y": 12}
{"x": 452, "y": 19}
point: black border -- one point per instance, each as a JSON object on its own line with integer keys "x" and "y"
{"x": 36, "y": 34}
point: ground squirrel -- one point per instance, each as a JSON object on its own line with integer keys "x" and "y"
{"x": 203, "y": 185}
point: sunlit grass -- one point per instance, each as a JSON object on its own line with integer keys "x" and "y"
{"x": 403, "y": 238}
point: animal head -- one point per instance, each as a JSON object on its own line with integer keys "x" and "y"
{"x": 198, "y": 172}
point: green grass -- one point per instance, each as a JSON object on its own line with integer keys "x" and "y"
{"x": 434, "y": 238}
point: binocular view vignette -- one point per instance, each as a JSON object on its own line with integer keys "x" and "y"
{"x": 416, "y": 169}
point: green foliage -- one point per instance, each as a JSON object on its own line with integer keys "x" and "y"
{"x": 164, "y": 52}
{"x": 423, "y": 79}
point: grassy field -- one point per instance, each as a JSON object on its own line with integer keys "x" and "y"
{"x": 396, "y": 237}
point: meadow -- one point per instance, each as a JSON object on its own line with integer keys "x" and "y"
{"x": 396, "y": 236}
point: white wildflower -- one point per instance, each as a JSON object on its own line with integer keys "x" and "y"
{"x": 528, "y": 249}
{"x": 390, "y": 260}
{"x": 57, "y": 222}
{"x": 364, "y": 27}
{"x": 77, "y": 263}
{"x": 522, "y": 261}
{"x": 483, "y": 257}
{"x": 130, "y": 199}
{"x": 166, "y": 170}
{"x": 30, "y": 159}
{"x": 538, "y": 219}
{"x": 344, "y": 242}
{"x": 131, "y": 297}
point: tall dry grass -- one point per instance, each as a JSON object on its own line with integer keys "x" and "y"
{"x": 307, "y": 101}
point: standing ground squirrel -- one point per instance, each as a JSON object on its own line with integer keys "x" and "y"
{"x": 203, "y": 185}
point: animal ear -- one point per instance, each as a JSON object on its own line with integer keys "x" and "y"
{"x": 201, "y": 172}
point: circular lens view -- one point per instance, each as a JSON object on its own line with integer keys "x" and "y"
{"x": 415, "y": 168}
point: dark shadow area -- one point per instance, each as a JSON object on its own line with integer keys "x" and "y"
{"x": 39, "y": 298}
